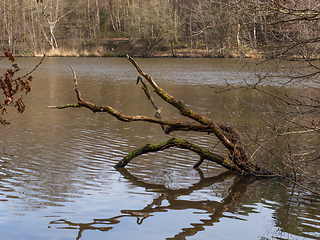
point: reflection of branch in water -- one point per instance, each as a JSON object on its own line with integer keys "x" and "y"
{"x": 215, "y": 208}
{"x": 83, "y": 226}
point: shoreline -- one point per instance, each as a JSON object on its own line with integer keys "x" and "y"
{"x": 122, "y": 47}
{"x": 138, "y": 53}
{"x": 194, "y": 54}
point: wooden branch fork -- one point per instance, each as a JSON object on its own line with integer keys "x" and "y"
{"x": 227, "y": 135}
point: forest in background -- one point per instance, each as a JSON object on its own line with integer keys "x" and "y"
{"x": 185, "y": 28}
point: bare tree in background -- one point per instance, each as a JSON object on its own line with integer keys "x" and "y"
{"x": 51, "y": 11}
{"x": 150, "y": 23}
{"x": 287, "y": 82}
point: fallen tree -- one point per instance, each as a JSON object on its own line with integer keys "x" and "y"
{"x": 238, "y": 159}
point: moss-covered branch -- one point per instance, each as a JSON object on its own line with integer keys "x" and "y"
{"x": 180, "y": 143}
{"x": 237, "y": 152}
{"x": 64, "y": 106}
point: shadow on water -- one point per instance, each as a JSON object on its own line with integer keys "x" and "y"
{"x": 216, "y": 209}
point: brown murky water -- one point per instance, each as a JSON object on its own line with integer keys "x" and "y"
{"x": 57, "y": 179}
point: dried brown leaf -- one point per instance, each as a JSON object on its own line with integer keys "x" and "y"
{"x": 27, "y": 88}
{"x": 9, "y": 55}
{"x": 4, "y": 110}
{"x": 20, "y": 105}
{"x": 10, "y": 72}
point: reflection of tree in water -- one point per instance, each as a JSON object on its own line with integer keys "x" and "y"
{"x": 298, "y": 214}
{"x": 214, "y": 208}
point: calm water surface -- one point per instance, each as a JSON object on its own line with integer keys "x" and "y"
{"x": 57, "y": 179}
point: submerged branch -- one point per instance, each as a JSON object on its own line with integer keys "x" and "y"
{"x": 180, "y": 143}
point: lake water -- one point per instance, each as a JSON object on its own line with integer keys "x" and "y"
{"x": 57, "y": 179}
